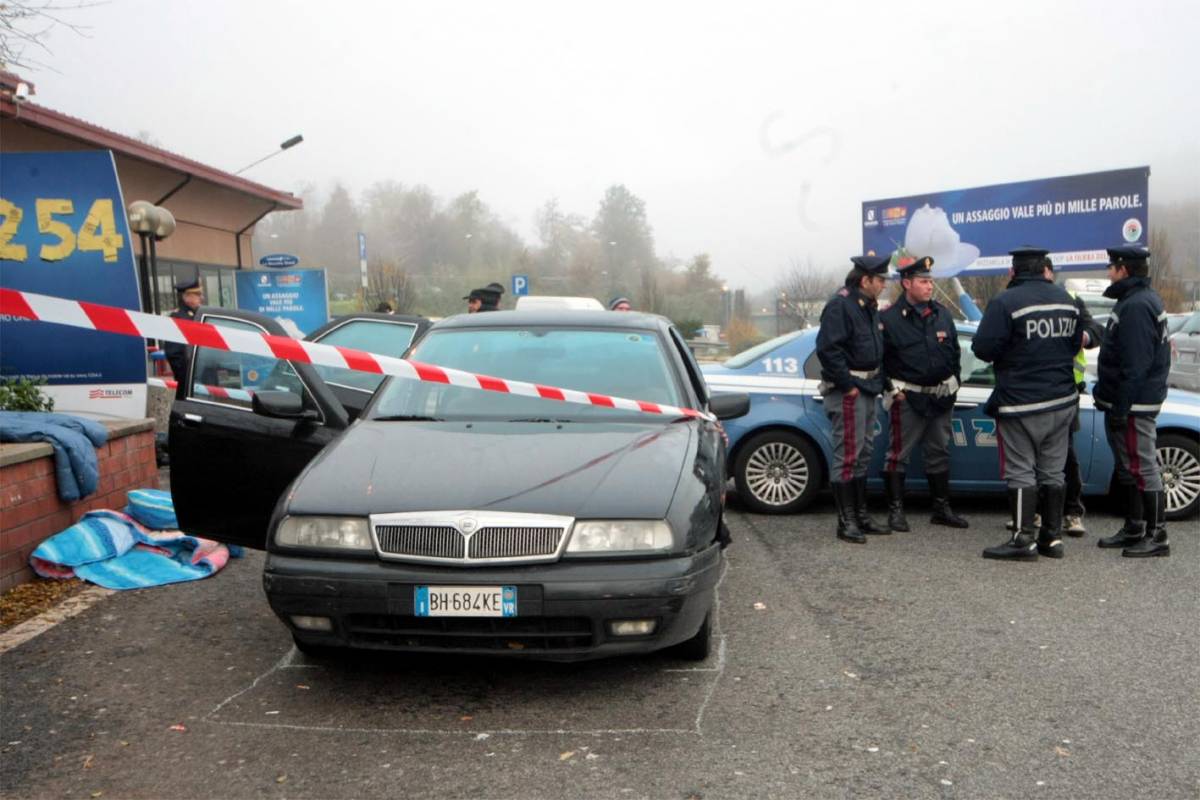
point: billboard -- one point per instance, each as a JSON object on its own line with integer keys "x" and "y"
{"x": 295, "y": 297}
{"x": 970, "y": 231}
{"x": 63, "y": 232}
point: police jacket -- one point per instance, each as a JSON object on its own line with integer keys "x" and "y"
{"x": 177, "y": 354}
{"x": 920, "y": 349}
{"x": 1031, "y": 333}
{"x": 850, "y": 344}
{"x": 1135, "y": 356}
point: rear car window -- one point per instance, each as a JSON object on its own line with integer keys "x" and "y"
{"x": 370, "y": 335}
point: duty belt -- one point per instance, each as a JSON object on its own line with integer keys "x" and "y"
{"x": 865, "y": 374}
{"x": 948, "y": 386}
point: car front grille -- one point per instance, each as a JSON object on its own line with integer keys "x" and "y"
{"x": 514, "y": 542}
{"x": 427, "y": 541}
{"x": 512, "y": 635}
{"x": 470, "y": 537}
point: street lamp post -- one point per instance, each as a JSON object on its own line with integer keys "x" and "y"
{"x": 286, "y": 145}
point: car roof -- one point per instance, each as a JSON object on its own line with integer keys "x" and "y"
{"x": 556, "y": 318}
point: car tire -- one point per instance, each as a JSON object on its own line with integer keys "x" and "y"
{"x": 777, "y": 472}
{"x": 1179, "y": 462}
{"x": 699, "y": 646}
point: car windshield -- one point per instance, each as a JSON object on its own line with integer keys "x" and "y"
{"x": 747, "y": 356}
{"x": 621, "y": 363}
{"x": 1192, "y": 325}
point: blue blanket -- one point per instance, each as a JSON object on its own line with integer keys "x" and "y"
{"x": 74, "y": 440}
{"x": 115, "y": 551}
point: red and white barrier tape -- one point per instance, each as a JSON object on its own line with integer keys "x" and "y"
{"x": 109, "y": 319}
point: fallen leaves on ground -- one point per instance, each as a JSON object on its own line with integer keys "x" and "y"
{"x": 30, "y": 599}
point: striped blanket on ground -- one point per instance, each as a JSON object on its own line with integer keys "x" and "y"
{"x": 117, "y": 552}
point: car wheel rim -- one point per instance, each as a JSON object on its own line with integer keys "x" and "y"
{"x": 777, "y": 473}
{"x": 1180, "y": 476}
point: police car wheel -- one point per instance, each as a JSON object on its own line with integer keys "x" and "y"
{"x": 1179, "y": 462}
{"x": 777, "y": 472}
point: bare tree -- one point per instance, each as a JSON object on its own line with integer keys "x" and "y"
{"x": 801, "y": 293}
{"x": 26, "y": 24}
{"x": 391, "y": 284}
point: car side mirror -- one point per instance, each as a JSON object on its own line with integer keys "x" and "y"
{"x": 728, "y": 405}
{"x": 283, "y": 405}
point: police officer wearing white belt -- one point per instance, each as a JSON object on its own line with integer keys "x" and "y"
{"x": 923, "y": 365}
{"x": 1135, "y": 358}
{"x": 850, "y": 348}
{"x": 1031, "y": 333}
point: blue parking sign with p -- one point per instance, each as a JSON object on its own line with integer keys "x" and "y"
{"x": 520, "y": 285}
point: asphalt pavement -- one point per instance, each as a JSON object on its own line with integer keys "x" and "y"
{"x": 908, "y": 667}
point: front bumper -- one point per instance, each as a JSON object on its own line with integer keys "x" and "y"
{"x": 563, "y": 608}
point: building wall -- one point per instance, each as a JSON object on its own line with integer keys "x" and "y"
{"x": 208, "y": 216}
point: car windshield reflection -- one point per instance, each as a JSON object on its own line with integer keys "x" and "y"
{"x": 618, "y": 363}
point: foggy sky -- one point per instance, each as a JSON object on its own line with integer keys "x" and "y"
{"x": 752, "y": 132}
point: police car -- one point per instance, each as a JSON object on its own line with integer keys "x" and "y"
{"x": 780, "y": 452}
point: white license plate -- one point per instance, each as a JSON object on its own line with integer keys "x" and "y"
{"x": 465, "y": 601}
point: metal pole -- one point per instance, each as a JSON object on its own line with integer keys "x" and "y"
{"x": 144, "y": 273}
{"x": 154, "y": 277}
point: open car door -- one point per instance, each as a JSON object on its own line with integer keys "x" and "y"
{"x": 241, "y": 429}
{"x": 384, "y": 334}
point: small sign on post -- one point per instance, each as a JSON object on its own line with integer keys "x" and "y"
{"x": 362, "y": 257}
{"x": 520, "y": 285}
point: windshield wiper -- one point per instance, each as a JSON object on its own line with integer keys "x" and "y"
{"x": 407, "y": 418}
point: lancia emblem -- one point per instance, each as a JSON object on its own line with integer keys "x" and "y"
{"x": 467, "y": 525}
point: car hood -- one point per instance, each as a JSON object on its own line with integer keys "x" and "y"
{"x": 581, "y": 470}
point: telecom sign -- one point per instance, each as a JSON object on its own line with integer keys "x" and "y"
{"x": 63, "y": 232}
{"x": 279, "y": 260}
{"x": 970, "y": 231}
{"x": 520, "y": 285}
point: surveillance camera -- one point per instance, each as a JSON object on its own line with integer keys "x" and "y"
{"x": 21, "y": 93}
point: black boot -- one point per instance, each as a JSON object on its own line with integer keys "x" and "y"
{"x": 1022, "y": 504}
{"x": 865, "y": 523}
{"x": 1154, "y": 542}
{"x": 939, "y": 490}
{"x": 1133, "y": 529}
{"x": 895, "y": 498}
{"x": 847, "y": 525}
{"x": 1049, "y": 541}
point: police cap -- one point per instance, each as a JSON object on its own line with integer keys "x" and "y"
{"x": 476, "y": 294}
{"x": 872, "y": 264}
{"x": 187, "y": 284}
{"x": 918, "y": 268}
{"x": 1028, "y": 259}
{"x": 1130, "y": 255}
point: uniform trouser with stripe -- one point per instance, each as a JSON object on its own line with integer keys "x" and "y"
{"x": 1073, "y": 506}
{"x": 852, "y": 422}
{"x": 1033, "y": 448}
{"x": 908, "y": 428}
{"x": 1134, "y": 446}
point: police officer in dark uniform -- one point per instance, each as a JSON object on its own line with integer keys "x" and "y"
{"x": 191, "y": 297}
{"x": 1135, "y": 358}
{"x": 1031, "y": 333}
{"x": 850, "y": 348}
{"x": 923, "y": 365}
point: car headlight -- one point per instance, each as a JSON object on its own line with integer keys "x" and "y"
{"x": 338, "y": 533}
{"x": 620, "y": 536}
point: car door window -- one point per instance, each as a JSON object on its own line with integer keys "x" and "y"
{"x": 372, "y": 336}
{"x": 218, "y": 376}
{"x": 974, "y": 371}
{"x": 693, "y": 369}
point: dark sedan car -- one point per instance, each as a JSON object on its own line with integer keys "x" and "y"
{"x": 449, "y": 518}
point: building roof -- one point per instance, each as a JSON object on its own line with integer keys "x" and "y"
{"x": 31, "y": 113}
